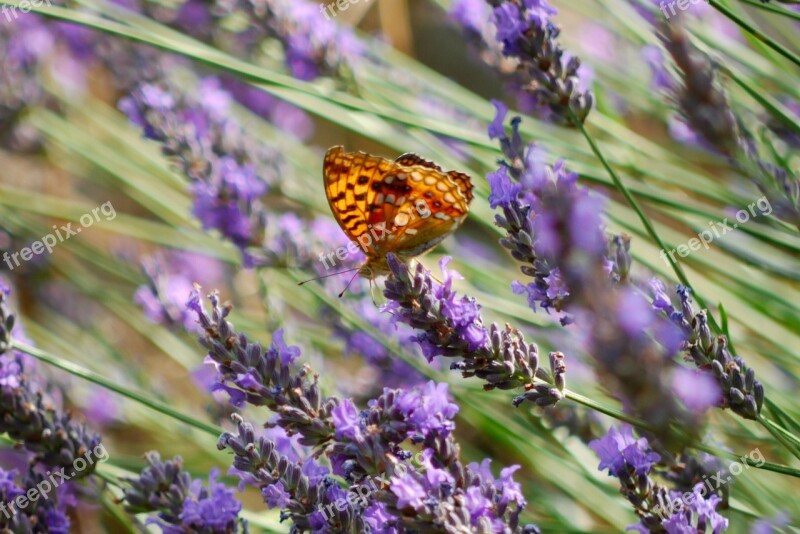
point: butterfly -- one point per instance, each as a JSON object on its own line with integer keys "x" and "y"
{"x": 406, "y": 206}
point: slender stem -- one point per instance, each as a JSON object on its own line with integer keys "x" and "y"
{"x": 100, "y": 380}
{"x": 777, "y": 432}
{"x": 779, "y": 10}
{"x": 676, "y": 267}
{"x": 645, "y": 221}
{"x": 720, "y": 453}
{"x": 767, "y": 466}
{"x": 794, "y": 58}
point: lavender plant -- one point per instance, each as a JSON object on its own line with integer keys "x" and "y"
{"x": 182, "y": 504}
{"x": 369, "y": 444}
{"x": 360, "y": 446}
{"x": 704, "y": 107}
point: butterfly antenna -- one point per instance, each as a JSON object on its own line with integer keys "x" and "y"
{"x": 348, "y": 285}
{"x": 327, "y": 276}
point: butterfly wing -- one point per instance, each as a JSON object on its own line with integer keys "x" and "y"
{"x": 348, "y": 180}
{"x": 407, "y": 206}
{"x": 434, "y": 204}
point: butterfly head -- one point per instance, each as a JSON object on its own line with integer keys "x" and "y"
{"x": 374, "y": 267}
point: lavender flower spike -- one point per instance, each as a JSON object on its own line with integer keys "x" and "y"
{"x": 705, "y": 109}
{"x": 364, "y": 447}
{"x": 183, "y": 505}
{"x": 303, "y": 492}
{"x": 264, "y": 378}
{"x": 452, "y": 327}
{"x": 741, "y": 392}
{"x": 661, "y": 510}
{"x": 27, "y": 416}
{"x": 548, "y": 73}
{"x": 45, "y": 515}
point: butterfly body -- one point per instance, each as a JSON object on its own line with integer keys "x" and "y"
{"x": 405, "y": 206}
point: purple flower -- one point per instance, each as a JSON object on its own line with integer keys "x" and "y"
{"x": 409, "y": 491}
{"x": 503, "y": 189}
{"x": 275, "y": 495}
{"x": 698, "y": 390}
{"x": 228, "y": 172}
{"x": 496, "y": 129}
{"x": 8, "y": 488}
{"x": 452, "y": 327}
{"x": 347, "y": 421}
{"x": 212, "y": 509}
{"x": 287, "y": 354}
{"x": 477, "y": 504}
{"x": 378, "y": 518}
{"x": 472, "y": 14}
{"x": 620, "y": 452}
{"x": 539, "y": 11}
{"x": 548, "y": 80}
{"x": 182, "y": 504}
{"x": 428, "y": 410}
{"x": 510, "y": 24}
{"x": 694, "y": 517}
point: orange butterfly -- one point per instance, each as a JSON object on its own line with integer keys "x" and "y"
{"x": 406, "y": 206}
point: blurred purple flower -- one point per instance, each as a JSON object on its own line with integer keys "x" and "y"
{"x": 620, "y": 452}
{"x": 698, "y": 390}
{"x": 472, "y": 14}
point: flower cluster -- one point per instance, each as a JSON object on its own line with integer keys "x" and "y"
{"x": 29, "y": 416}
{"x": 740, "y": 391}
{"x": 52, "y": 439}
{"x": 40, "y": 515}
{"x": 182, "y": 504}
{"x": 313, "y": 44}
{"x": 704, "y": 108}
{"x": 556, "y": 228}
{"x": 660, "y": 510}
{"x": 547, "y": 216}
{"x": 548, "y": 73}
{"x": 451, "y": 326}
{"x": 360, "y": 445}
{"x": 229, "y": 172}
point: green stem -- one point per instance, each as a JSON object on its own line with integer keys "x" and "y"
{"x": 720, "y": 453}
{"x": 100, "y": 380}
{"x": 645, "y": 221}
{"x": 778, "y": 10}
{"x": 794, "y": 58}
